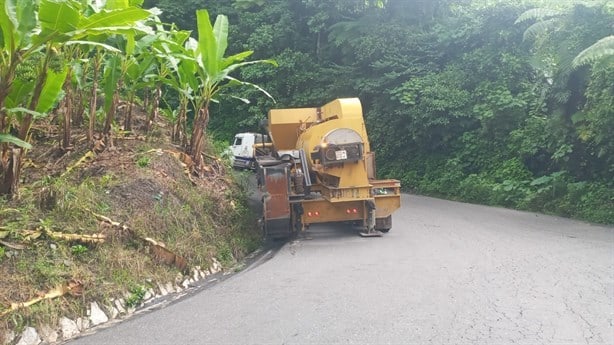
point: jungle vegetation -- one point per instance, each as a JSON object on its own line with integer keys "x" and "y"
{"x": 497, "y": 102}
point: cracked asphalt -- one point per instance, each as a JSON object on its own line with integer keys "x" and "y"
{"x": 447, "y": 273}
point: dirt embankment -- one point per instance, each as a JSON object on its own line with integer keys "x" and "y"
{"x": 94, "y": 226}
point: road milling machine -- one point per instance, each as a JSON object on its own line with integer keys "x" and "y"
{"x": 321, "y": 169}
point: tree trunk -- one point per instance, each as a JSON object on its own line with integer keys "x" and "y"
{"x": 146, "y": 99}
{"x": 154, "y": 107}
{"x": 11, "y": 168}
{"x": 93, "y": 101}
{"x": 180, "y": 124}
{"x": 78, "y": 107}
{"x": 111, "y": 116}
{"x": 8, "y": 179}
{"x": 6, "y": 82}
{"x": 128, "y": 118}
{"x": 67, "y": 113}
{"x": 198, "y": 138}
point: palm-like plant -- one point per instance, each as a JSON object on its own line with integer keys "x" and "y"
{"x": 32, "y": 33}
{"x": 176, "y": 69}
{"x": 602, "y": 49}
{"x": 28, "y": 29}
{"x": 213, "y": 71}
{"x": 560, "y": 35}
{"x": 547, "y": 20}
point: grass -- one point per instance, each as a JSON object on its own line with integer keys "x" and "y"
{"x": 151, "y": 196}
{"x": 137, "y": 294}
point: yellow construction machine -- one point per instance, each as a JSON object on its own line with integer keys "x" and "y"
{"x": 321, "y": 169}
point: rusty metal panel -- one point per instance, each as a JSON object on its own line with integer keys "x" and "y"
{"x": 276, "y": 188}
{"x": 370, "y": 163}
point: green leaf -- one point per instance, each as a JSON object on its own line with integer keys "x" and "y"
{"x": 540, "y": 28}
{"x": 116, "y": 4}
{"x": 254, "y": 86}
{"x": 602, "y": 48}
{"x": 236, "y": 58}
{"x": 541, "y": 180}
{"x": 7, "y": 27}
{"x": 207, "y": 44}
{"x": 17, "y": 20}
{"x": 235, "y": 66}
{"x": 220, "y": 31}
{"x": 94, "y": 44}
{"x": 20, "y": 93}
{"x": 113, "y": 30}
{"x": 130, "y": 44}
{"x": 59, "y": 16}
{"x": 578, "y": 117}
{"x": 51, "y": 90}
{"x": 7, "y": 138}
{"x": 537, "y": 14}
{"x": 106, "y": 19}
{"x": 20, "y": 110}
{"x": 112, "y": 73}
{"x": 26, "y": 15}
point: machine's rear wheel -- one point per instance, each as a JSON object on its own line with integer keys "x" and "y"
{"x": 277, "y": 230}
{"x": 383, "y": 224}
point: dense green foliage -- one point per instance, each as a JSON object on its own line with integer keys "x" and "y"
{"x": 473, "y": 100}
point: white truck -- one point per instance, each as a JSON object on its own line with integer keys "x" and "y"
{"x": 246, "y": 146}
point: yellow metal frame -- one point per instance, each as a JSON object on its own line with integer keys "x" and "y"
{"x": 331, "y": 212}
{"x": 353, "y": 186}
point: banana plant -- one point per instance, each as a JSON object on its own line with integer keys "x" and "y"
{"x": 31, "y": 33}
{"x": 29, "y": 30}
{"x": 119, "y": 22}
{"x": 177, "y": 70}
{"x": 141, "y": 74}
{"x": 213, "y": 71}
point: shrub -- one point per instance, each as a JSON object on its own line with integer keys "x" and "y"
{"x": 476, "y": 188}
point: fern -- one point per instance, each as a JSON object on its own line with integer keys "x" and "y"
{"x": 538, "y": 14}
{"x": 540, "y": 28}
{"x": 604, "y": 47}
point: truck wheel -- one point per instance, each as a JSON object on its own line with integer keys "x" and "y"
{"x": 252, "y": 165}
{"x": 383, "y": 224}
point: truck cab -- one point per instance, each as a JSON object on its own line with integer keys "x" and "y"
{"x": 246, "y": 146}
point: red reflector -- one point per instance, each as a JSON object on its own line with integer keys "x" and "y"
{"x": 317, "y": 213}
{"x": 309, "y": 214}
{"x": 348, "y": 211}
{"x": 354, "y": 210}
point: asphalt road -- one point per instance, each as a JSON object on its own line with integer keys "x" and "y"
{"x": 447, "y": 273}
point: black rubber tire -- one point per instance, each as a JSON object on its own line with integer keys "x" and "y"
{"x": 385, "y": 224}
